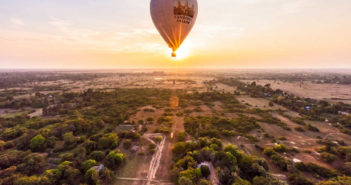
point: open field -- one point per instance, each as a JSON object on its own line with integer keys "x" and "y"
{"x": 330, "y": 92}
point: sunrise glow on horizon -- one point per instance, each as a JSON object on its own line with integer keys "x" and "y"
{"x": 228, "y": 33}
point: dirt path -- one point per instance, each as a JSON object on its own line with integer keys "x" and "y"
{"x": 164, "y": 170}
{"x": 141, "y": 180}
{"x": 155, "y": 161}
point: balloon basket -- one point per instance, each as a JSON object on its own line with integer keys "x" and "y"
{"x": 174, "y": 55}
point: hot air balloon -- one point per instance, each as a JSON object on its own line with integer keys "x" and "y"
{"x": 174, "y": 19}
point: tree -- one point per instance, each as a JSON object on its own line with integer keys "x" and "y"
{"x": 97, "y": 155}
{"x": 10, "y": 158}
{"x": 52, "y": 176}
{"x": 189, "y": 174}
{"x": 69, "y": 139}
{"x": 181, "y": 136}
{"x": 92, "y": 176}
{"x": 114, "y": 159}
{"x": 198, "y": 174}
{"x": 240, "y": 181}
{"x": 90, "y": 145}
{"x": 32, "y": 180}
{"x": 37, "y": 142}
{"x": 2, "y": 145}
{"x": 32, "y": 163}
{"x": 88, "y": 164}
{"x": 67, "y": 173}
{"x": 204, "y": 182}
{"x": 179, "y": 149}
{"x": 108, "y": 141}
{"x": 205, "y": 170}
{"x": 258, "y": 180}
{"x": 185, "y": 181}
{"x": 106, "y": 174}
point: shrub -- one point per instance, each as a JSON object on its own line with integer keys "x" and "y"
{"x": 158, "y": 139}
{"x": 279, "y": 161}
{"x": 328, "y": 157}
{"x": 341, "y": 180}
{"x": 316, "y": 169}
{"x": 280, "y": 148}
{"x": 298, "y": 179}
{"x": 127, "y": 144}
{"x": 347, "y": 168}
{"x": 312, "y": 128}
{"x": 300, "y": 129}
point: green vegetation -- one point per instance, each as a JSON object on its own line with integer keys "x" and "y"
{"x": 227, "y": 160}
{"x": 77, "y": 134}
{"x": 217, "y": 127}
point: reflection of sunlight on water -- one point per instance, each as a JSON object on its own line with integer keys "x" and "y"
{"x": 183, "y": 51}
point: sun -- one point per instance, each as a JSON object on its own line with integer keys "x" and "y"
{"x": 183, "y": 51}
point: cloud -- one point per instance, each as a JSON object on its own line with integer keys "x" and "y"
{"x": 16, "y": 22}
{"x": 292, "y": 7}
{"x": 129, "y": 40}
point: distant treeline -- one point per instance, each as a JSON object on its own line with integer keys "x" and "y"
{"x": 13, "y": 79}
{"x": 320, "y": 78}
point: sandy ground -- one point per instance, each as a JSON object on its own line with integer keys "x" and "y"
{"x": 305, "y": 141}
{"x": 258, "y": 103}
{"x": 332, "y": 92}
{"x": 225, "y": 88}
{"x": 37, "y": 113}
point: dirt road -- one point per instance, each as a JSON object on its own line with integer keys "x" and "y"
{"x": 155, "y": 161}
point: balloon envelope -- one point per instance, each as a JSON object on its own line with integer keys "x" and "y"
{"x": 174, "y": 19}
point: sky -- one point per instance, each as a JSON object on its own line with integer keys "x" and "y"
{"x": 109, "y": 34}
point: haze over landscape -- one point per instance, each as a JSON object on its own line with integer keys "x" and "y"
{"x": 228, "y": 33}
